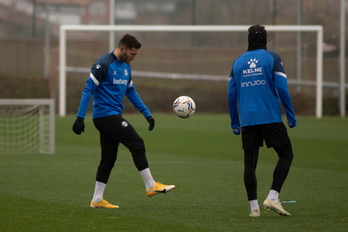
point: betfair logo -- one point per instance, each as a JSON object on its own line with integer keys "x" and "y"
{"x": 119, "y": 82}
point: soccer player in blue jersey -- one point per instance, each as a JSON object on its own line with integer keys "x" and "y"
{"x": 257, "y": 86}
{"x": 109, "y": 81}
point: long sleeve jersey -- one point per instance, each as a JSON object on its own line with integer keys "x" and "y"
{"x": 257, "y": 85}
{"x": 109, "y": 81}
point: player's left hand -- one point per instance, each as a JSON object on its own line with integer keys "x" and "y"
{"x": 151, "y": 122}
{"x": 236, "y": 130}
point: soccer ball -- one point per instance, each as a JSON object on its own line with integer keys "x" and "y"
{"x": 184, "y": 107}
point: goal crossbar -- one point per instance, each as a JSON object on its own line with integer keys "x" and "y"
{"x": 188, "y": 28}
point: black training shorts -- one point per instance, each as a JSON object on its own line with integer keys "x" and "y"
{"x": 274, "y": 134}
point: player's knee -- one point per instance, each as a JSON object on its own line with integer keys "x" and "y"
{"x": 106, "y": 167}
{"x": 285, "y": 152}
{"x": 137, "y": 147}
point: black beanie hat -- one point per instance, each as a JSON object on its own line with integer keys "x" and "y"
{"x": 257, "y": 38}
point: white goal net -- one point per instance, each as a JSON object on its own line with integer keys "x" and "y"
{"x": 27, "y": 126}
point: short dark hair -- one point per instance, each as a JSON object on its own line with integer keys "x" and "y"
{"x": 129, "y": 41}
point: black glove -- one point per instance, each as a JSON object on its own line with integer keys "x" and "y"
{"x": 151, "y": 122}
{"x": 79, "y": 126}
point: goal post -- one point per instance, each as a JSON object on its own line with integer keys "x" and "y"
{"x": 27, "y": 126}
{"x": 189, "y": 28}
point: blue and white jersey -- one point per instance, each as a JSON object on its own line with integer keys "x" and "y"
{"x": 109, "y": 81}
{"x": 257, "y": 84}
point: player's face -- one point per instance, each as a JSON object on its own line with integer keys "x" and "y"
{"x": 128, "y": 55}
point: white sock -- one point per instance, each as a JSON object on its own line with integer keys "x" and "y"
{"x": 98, "y": 191}
{"x": 273, "y": 195}
{"x": 147, "y": 178}
{"x": 254, "y": 205}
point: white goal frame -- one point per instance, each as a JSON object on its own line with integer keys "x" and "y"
{"x": 189, "y": 28}
{"x": 51, "y": 120}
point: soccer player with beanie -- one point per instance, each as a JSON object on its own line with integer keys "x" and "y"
{"x": 109, "y": 81}
{"x": 256, "y": 88}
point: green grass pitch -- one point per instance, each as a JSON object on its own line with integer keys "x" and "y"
{"x": 201, "y": 156}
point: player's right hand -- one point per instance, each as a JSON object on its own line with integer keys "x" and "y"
{"x": 79, "y": 126}
{"x": 292, "y": 124}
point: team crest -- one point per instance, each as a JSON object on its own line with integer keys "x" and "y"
{"x": 124, "y": 124}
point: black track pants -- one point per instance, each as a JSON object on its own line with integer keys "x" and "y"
{"x": 280, "y": 172}
{"x": 113, "y": 131}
